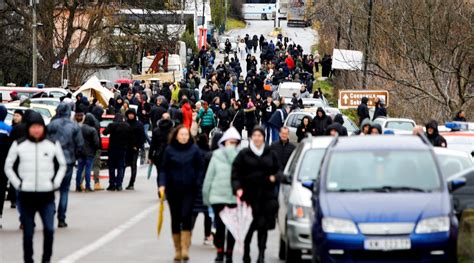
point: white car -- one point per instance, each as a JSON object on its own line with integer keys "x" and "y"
{"x": 47, "y": 101}
{"x": 397, "y": 125}
{"x": 233, "y": 42}
{"x": 452, "y": 161}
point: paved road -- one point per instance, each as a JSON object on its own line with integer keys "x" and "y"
{"x": 110, "y": 226}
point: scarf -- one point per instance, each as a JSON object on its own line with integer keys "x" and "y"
{"x": 255, "y": 150}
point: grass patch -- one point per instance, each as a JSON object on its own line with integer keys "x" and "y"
{"x": 233, "y": 23}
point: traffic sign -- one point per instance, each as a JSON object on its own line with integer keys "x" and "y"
{"x": 350, "y": 99}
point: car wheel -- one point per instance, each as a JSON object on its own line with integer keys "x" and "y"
{"x": 282, "y": 250}
{"x": 264, "y": 16}
{"x": 292, "y": 255}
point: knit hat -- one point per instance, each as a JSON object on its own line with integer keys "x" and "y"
{"x": 34, "y": 118}
{"x": 230, "y": 134}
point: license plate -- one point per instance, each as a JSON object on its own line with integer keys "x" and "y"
{"x": 387, "y": 244}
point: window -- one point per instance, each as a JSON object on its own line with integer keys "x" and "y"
{"x": 57, "y": 94}
{"x": 382, "y": 170}
{"x": 289, "y": 122}
{"x": 451, "y": 164}
{"x": 310, "y": 165}
{"x": 400, "y": 125}
{"x": 291, "y": 166}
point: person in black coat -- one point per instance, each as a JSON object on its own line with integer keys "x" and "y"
{"x": 238, "y": 120}
{"x": 380, "y": 110}
{"x": 433, "y": 135}
{"x": 283, "y": 148}
{"x": 86, "y": 157}
{"x": 460, "y": 116}
{"x": 159, "y": 140}
{"x": 119, "y": 142}
{"x": 136, "y": 143}
{"x": 255, "y": 180}
{"x": 363, "y": 110}
{"x": 320, "y": 123}
{"x": 224, "y": 117}
{"x": 179, "y": 177}
{"x": 339, "y": 119}
{"x": 304, "y": 128}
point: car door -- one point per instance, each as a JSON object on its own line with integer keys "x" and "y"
{"x": 291, "y": 128}
{"x": 463, "y": 198}
{"x": 285, "y": 187}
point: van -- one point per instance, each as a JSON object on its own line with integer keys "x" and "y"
{"x": 30, "y": 92}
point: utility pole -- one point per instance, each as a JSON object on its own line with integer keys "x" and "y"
{"x": 367, "y": 47}
{"x": 225, "y": 14}
{"x": 203, "y": 13}
{"x": 35, "y": 48}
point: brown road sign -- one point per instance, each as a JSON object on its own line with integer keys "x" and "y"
{"x": 350, "y": 99}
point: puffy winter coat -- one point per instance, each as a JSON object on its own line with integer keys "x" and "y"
{"x": 67, "y": 132}
{"x": 217, "y": 188}
{"x": 41, "y": 165}
{"x": 207, "y": 118}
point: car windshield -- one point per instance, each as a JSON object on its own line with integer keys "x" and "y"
{"x": 452, "y": 164}
{"x": 400, "y": 125}
{"x": 383, "y": 171}
{"x": 309, "y": 167}
{"x": 349, "y": 125}
{"x": 313, "y": 103}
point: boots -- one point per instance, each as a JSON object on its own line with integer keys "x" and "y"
{"x": 185, "y": 243}
{"x": 220, "y": 256}
{"x": 98, "y": 187}
{"x": 177, "y": 247}
{"x": 261, "y": 257}
{"x": 228, "y": 256}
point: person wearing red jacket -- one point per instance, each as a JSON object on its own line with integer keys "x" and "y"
{"x": 187, "y": 113}
{"x": 290, "y": 63}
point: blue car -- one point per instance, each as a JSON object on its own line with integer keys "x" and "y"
{"x": 383, "y": 199}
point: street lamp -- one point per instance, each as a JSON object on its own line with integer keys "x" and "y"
{"x": 34, "y": 26}
{"x": 367, "y": 47}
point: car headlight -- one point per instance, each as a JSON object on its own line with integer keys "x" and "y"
{"x": 339, "y": 226}
{"x": 300, "y": 212}
{"x": 433, "y": 225}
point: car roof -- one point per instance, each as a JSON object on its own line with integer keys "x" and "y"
{"x": 320, "y": 142}
{"x": 395, "y": 119}
{"x": 452, "y": 152}
{"x": 380, "y": 142}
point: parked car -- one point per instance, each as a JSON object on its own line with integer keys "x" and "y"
{"x": 397, "y": 125}
{"x": 381, "y": 199}
{"x": 233, "y": 42}
{"x": 460, "y": 136}
{"x": 294, "y": 119}
{"x": 104, "y": 139}
{"x": 463, "y": 198}
{"x": 9, "y": 118}
{"x": 295, "y": 200}
{"x": 54, "y": 102}
{"x": 45, "y": 113}
{"x": 452, "y": 161}
{"x": 30, "y": 92}
{"x": 45, "y": 110}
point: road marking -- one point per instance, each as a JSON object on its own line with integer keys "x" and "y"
{"x": 102, "y": 241}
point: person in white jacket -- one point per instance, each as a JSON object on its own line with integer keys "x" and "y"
{"x": 36, "y": 167}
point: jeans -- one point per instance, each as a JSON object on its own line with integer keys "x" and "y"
{"x": 116, "y": 162}
{"x": 146, "y": 128}
{"x": 46, "y": 211}
{"x": 84, "y": 163}
{"x": 268, "y": 133}
{"x": 96, "y": 167}
{"x": 221, "y": 232}
{"x": 132, "y": 159}
{"x": 64, "y": 192}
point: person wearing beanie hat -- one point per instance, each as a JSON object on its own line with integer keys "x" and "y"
{"x": 36, "y": 167}
{"x": 217, "y": 190}
{"x": 14, "y": 96}
{"x": 255, "y": 181}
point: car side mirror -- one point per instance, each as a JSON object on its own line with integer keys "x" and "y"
{"x": 309, "y": 185}
{"x": 455, "y": 184}
{"x": 287, "y": 179}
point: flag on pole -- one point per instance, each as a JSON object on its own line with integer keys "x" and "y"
{"x": 64, "y": 61}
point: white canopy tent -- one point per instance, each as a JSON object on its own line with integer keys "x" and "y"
{"x": 93, "y": 89}
{"x": 347, "y": 59}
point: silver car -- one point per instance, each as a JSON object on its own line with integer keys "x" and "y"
{"x": 295, "y": 199}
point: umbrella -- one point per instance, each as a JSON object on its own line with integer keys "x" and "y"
{"x": 124, "y": 81}
{"x": 150, "y": 168}
{"x": 238, "y": 221}
{"x": 161, "y": 210}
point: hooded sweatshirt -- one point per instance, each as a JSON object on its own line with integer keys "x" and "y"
{"x": 436, "y": 139}
{"x": 137, "y": 131}
{"x": 91, "y": 139}
{"x": 67, "y": 132}
{"x": 339, "y": 119}
{"x": 363, "y": 110}
{"x": 320, "y": 124}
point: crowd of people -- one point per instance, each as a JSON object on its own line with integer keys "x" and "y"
{"x": 194, "y": 143}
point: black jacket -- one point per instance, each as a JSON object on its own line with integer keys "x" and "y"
{"x": 267, "y": 111}
{"x": 91, "y": 139}
{"x": 159, "y": 141}
{"x": 339, "y": 119}
{"x": 251, "y": 173}
{"x": 436, "y": 139}
{"x": 380, "y": 111}
{"x": 320, "y": 124}
{"x": 137, "y": 135}
{"x": 119, "y": 134}
{"x": 283, "y": 152}
{"x": 302, "y": 130}
{"x": 363, "y": 110}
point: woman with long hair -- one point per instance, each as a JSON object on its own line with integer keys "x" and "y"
{"x": 179, "y": 176}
